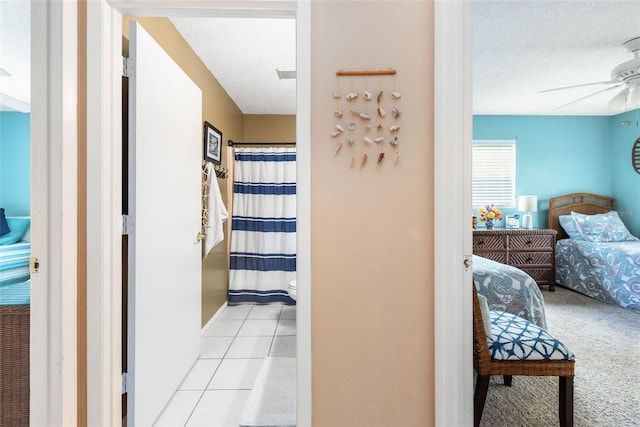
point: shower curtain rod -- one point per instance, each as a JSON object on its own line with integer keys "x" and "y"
{"x": 235, "y": 143}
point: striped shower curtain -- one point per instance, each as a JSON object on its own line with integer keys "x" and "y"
{"x": 263, "y": 225}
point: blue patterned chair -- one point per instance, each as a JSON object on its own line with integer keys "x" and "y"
{"x": 516, "y": 346}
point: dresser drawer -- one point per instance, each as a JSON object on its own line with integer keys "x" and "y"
{"x": 531, "y": 241}
{"x": 530, "y": 258}
{"x": 532, "y": 251}
{"x": 489, "y": 242}
{"x": 500, "y": 257}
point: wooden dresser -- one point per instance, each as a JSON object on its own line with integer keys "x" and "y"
{"x": 531, "y": 250}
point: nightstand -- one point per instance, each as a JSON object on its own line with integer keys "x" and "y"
{"x": 530, "y": 250}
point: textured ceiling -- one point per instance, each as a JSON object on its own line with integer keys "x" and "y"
{"x": 519, "y": 48}
{"x": 522, "y": 47}
{"x": 243, "y": 55}
{"x": 15, "y": 90}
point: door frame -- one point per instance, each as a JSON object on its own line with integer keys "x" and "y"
{"x": 104, "y": 23}
{"x": 54, "y": 62}
{"x": 452, "y": 178}
{"x": 54, "y": 230}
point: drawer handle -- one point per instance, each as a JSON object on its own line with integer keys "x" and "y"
{"x": 529, "y": 243}
{"x": 481, "y": 242}
{"x": 528, "y": 260}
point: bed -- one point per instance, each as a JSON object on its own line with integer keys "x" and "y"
{"x": 509, "y": 289}
{"x": 14, "y": 325}
{"x": 598, "y": 258}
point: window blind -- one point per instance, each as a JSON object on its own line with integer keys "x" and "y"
{"x": 493, "y": 178}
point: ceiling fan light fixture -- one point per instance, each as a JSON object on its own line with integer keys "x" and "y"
{"x": 619, "y": 102}
{"x": 286, "y": 74}
{"x": 634, "y": 98}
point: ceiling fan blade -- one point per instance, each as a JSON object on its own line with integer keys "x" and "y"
{"x": 589, "y": 96}
{"x": 619, "y": 102}
{"x": 581, "y": 85}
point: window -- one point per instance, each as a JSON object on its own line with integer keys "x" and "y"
{"x": 493, "y": 176}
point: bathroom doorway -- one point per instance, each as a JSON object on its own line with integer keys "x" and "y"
{"x": 302, "y": 157}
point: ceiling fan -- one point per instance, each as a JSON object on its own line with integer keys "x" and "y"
{"x": 625, "y": 76}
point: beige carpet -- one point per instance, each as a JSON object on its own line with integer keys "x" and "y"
{"x": 606, "y": 341}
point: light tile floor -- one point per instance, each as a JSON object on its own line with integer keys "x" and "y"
{"x": 215, "y": 391}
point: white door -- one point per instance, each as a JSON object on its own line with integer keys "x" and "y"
{"x": 165, "y": 146}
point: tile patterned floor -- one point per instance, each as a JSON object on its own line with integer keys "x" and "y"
{"x": 216, "y": 389}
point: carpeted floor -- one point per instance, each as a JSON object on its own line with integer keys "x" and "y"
{"x": 606, "y": 341}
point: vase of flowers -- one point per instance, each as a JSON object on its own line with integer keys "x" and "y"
{"x": 489, "y": 214}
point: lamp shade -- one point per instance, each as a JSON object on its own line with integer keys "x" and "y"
{"x": 528, "y": 203}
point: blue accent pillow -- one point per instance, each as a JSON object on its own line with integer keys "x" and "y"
{"x": 514, "y": 338}
{"x": 607, "y": 227}
{"x": 4, "y": 227}
{"x": 570, "y": 227}
{"x": 18, "y": 227}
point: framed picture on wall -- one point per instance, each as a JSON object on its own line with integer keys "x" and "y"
{"x": 212, "y": 144}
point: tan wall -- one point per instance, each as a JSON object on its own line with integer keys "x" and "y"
{"x": 219, "y": 110}
{"x": 269, "y": 128}
{"x": 372, "y": 235}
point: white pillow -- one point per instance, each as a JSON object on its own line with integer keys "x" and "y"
{"x": 607, "y": 227}
{"x": 570, "y": 227}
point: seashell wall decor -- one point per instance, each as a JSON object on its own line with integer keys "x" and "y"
{"x": 356, "y": 136}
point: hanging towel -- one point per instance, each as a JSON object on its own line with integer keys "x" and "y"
{"x": 214, "y": 233}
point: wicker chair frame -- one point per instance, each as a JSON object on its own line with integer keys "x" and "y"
{"x": 485, "y": 367}
{"x": 14, "y": 365}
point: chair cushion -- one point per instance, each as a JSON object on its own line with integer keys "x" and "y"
{"x": 514, "y": 338}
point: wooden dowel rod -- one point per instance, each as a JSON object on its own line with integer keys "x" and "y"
{"x": 366, "y": 73}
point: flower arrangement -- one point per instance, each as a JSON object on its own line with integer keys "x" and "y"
{"x": 489, "y": 213}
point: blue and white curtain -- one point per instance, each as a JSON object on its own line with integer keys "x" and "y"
{"x": 263, "y": 228}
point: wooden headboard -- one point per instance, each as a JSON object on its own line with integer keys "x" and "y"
{"x": 584, "y": 203}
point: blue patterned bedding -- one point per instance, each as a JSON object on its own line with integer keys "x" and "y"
{"x": 607, "y": 271}
{"x": 509, "y": 289}
{"x": 14, "y": 273}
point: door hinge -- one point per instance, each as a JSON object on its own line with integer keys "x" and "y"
{"x": 128, "y": 66}
{"x": 126, "y": 385}
{"x": 127, "y": 225}
{"x": 34, "y": 265}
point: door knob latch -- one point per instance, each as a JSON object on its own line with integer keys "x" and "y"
{"x": 467, "y": 262}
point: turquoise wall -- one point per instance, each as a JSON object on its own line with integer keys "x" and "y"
{"x": 555, "y": 155}
{"x": 626, "y": 182}
{"x": 15, "y": 163}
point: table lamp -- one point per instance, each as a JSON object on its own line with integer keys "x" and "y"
{"x": 527, "y": 204}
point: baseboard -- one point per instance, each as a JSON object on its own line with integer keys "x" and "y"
{"x": 214, "y": 317}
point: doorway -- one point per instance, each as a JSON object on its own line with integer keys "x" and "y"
{"x": 111, "y": 43}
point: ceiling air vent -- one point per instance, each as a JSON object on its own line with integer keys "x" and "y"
{"x": 286, "y": 74}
